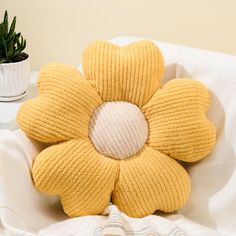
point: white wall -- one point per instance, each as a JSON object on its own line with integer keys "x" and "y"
{"x": 57, "y": 30}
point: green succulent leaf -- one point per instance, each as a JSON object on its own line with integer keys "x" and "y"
{"x": 12, "y": 44}
{"x": 13, "y": 27}
{"x": 4, "y": 46}
{"x": 2, "y": 29}
{"x": 5, "y": 21}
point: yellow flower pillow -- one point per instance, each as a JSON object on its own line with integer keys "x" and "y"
{"x": 117, "y": 135}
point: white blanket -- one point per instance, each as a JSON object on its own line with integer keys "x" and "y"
{"x": 211, "y": 209}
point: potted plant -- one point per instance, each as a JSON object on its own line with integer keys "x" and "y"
{"x": 14, "y": 63}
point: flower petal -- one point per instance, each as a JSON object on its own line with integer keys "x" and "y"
{"x": 177, "y": 120}
{"x": 63, "y": 108}
{"x": 150, "y": 181}
{"x": 82, "y": 177}
{"x": 131, "y": 73}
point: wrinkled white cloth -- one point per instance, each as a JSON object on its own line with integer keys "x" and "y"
{"x": 24, "y": 211}
{"x": 211, "y": 209}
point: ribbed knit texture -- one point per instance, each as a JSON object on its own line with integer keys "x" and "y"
{"x": 178, "y": 125}
{"x": 78, "y": 171}
{"x": 64, "y": 107}
{"x": 82, "y": 177}
{"x": 118, "y": 129}
{"x": 151, "y": 181}
{"x": 131, "y": 73}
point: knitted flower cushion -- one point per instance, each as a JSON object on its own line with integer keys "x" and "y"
{"x": 117, "y": 135}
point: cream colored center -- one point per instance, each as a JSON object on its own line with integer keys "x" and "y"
{"x": 118, "y": 129}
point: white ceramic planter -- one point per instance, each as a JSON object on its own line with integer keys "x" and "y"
{"x": 14, "y": 80}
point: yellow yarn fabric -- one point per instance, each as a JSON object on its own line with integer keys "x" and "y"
{"x": 130, "y": 73}
{"x": 86, "y": 180}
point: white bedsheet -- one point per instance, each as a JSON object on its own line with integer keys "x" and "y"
{"x": 211, "y": 209}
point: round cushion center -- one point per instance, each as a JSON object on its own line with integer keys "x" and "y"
{"x": 118, "y": 129}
